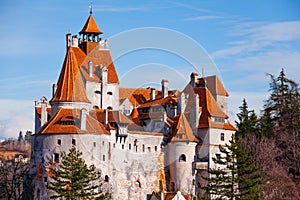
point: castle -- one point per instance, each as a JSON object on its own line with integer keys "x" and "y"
{"x": 145, "y": 141}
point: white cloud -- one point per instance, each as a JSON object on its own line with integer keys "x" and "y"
{"x": 16, "y": 116}
{"x": 253, "y": 37}
{"x": 204, "y": 17}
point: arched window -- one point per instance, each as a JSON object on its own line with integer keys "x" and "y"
{"x": 182, "y": 158}
{"x": 222, "y": 137}
{"x": 106, "y": 178}
{"x": 109, "y": 93}
{"x": 109, "y": 108}
{"x": 97, "y": 92}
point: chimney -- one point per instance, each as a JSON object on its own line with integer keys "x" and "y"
{"x": 90, "y": 68}
{"x": 152, "y": 94}
{"x": 105, "y": 115}
{"x": 44, "y": 114}
{"x": 104, "y": 74}
{"x": 181, "y": 103}
{"x": 194, "y": 77}
{"x": 54, "y": 88}
{"x": 164, "y": 85}
{"x": 68, "y": 40}
{"x": 196, "y": 99}
{"x": 83, "y": 113}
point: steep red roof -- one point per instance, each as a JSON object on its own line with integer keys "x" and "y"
{"x": 136, "y": 96}
{"x": 182, "y": 130}
{"x": 90, "y": 27}
{"x": 98, "y": 58}
{"x": 215, "y": 85}
{"x": 67, "y": 120}
{"x": 70, "y": 87}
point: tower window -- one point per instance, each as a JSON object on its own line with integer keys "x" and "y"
{"x": 182, "y": 158}
{"x": 106, "y": 179}
{"x": 109, "y": 93}
{"x": 222, "y": 137}
{"x": 59, "y": 141}
{"x": 129, "y": 146}
{"x": 56, "y": 157}
{"x": 155, "y": 148}
{"x": 103, "y": 157}
{"x": 94, "y": 144}
{"x": 73, "y": 142}
{"x": 143, "y": 148}
{"x": 109, "y": 108}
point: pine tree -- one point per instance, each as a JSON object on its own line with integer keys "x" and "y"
{"x": 247, "y": 124}
{"x": 235, "y": 175}
{"x": 74, "y": 180}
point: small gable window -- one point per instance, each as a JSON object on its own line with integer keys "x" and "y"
{"x": 182, "y": 158}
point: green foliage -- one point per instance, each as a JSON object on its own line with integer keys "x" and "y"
{"x": 235, "y": 175}
{"x": 247, "y": 124}
{"x": 73, "y": 179}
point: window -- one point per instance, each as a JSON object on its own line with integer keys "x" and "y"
{"x": 149, "y": 149}
{"x": 114, "y": 145}
{"x": 59, "y": 141}
{"x": 56, "y": 157}
{"x": 109, "y": 93}
{"x": 96, "y": 107}
{"x": 109, "y": 108}
{"x": 129, "y": 146}
{"x": 122, "y": 146}
{"x": 143, "y": 148}
{"x": 106, "y": 178}
{"x": 45, "y": 179}
{"x": 103, "y": 157}
{"x": 222, "y": 136}
{"x": 97, "y": 92}
{"x": 68, "y": 123}
{"x": 73, "y": 142}
{"x": 94, "y": 144}
{"x": 182, "y": 158}
{"x": 102, "y": 142}
{"x": 218, "y": 156}
{"x": 155, "y": 148}
{"x": 179, "y": 136}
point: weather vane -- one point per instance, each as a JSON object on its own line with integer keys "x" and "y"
{"x": 91, "y": 8}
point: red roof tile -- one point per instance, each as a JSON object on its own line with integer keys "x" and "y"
{"x": 90, "y": 27}
{"x": 113, "y": 116}
{"x": 136, "y": 96}
{"x": 162, "y": 101}
{"x": 215, "y": 85}
{"x": 60, "y": 123}
{"x": 182, "y": 130}
{"x": 70, "y": 87}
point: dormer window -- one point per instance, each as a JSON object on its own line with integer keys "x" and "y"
{"x": 68, "y": 123}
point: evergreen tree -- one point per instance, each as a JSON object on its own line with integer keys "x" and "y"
{"x": 74, "y": 180}
{"x": 235, "y": 176}
{"x": 247, "y": 124}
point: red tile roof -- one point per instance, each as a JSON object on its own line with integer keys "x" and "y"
{"x": 97, "y": 57}
{"x": 215, "y": 85}
{"x": 113, "y": 116}
{"x": 182, "y": 130}
{"x": 162, "y": 101}
{"x": 209, "y": 107}
{"x": 90, "y": 27}
{"x": 136, "y": 96}
{"x": 59, "y": 123}
{"x": 70, "y": 87}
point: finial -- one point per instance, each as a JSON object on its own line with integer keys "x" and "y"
{"x": 91, "y": 9}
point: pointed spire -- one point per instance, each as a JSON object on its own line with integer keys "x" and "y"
{"x": 90, "y": 26}
{"x": 70, "y": 86}
{"x": 91, "y": 9}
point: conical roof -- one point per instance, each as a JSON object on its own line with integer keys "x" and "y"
{"x": 70, "y": 87}
{"x": 90, "y": 27}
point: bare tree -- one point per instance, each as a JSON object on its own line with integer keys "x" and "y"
{"x": 12, "y": 173}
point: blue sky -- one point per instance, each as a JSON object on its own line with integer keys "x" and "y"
{"x": 245, "y": 40}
